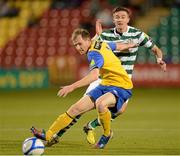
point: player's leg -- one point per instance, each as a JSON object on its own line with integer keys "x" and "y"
{"x": 120, "y": 95}
{"x": 90, "y": 126}
{"x": 55, "y": 138}
{"x": 91, "y": 87}
{"x": 102, "y": 104}
{"x": 62, "y": 131}
{"x": 83, "y": 105}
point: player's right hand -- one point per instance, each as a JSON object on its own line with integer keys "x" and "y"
{"x": 98, "y": 27}
{"x": 65, "y": 90}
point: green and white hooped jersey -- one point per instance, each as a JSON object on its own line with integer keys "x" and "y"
{"x": 132, "y": 35}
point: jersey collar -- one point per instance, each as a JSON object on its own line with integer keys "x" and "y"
{"x": 117, "y": 33}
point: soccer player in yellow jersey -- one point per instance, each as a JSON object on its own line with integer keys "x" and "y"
{"x": 123, "y": 33}
{"x": 112, "y": 92}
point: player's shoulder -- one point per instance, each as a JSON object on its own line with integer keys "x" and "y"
{"x": 108, "y": 31}
{"x": 132, "y": 29}
{"x": 106, "y": 34}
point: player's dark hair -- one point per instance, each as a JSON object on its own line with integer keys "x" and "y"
{"x": 117, "y": 9}
{"x": 79, "y": 31}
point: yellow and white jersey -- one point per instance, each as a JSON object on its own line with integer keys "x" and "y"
{"x": 112, "y": 73}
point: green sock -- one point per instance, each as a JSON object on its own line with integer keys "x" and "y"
{"x": 95, "y": 123}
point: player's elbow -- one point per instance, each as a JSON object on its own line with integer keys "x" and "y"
{"x": 94, "y": 74}
{"x": 156, "y": 50}
{"x": 95, "y": 77}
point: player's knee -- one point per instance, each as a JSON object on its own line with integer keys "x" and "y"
{"x": 74, "y": 111}
{"x": 122, "y": 110}
{"x": 100, "y": 105}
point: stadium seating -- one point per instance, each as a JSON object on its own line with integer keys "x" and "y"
{"x": 27, "y": 47}
{"x": 32, "y": 46}
{"x": 167, "y": 37}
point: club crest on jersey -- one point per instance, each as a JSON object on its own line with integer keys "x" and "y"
{"x": 97, "y": 45}
{"x": 92, "y": 63}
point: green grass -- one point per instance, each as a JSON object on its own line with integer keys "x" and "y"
{"x": 150, "y": 126}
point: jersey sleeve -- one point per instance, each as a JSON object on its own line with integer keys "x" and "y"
{"x": 146, "y": 41}
{"x": 95, "y": 60}
{"x": 112, "y": 45}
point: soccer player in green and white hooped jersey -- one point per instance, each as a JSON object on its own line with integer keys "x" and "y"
{"x": 121, "y": 33}
{"x": 125, "y": 34}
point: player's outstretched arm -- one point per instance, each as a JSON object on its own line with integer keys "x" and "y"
{"x": 98, "y": 29}
{"x": 125, "y": 46}
{"x": 92, "y": 76}
{"x": 159, "y": 57}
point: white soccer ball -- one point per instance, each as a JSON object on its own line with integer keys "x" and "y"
{"x": 33, "y": 146}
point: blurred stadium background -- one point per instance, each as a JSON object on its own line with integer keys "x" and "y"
{"x": 36, "y": 53}
{"x": 36, "y": 49}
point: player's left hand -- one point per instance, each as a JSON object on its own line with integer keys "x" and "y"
{"x": 65, "y": 90}
{"x": 162, "y": 64}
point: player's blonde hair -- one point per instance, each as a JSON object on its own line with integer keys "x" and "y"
{"x": 80, "y": 31}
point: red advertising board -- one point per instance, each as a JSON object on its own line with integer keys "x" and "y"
{"x": 152, "y": 76}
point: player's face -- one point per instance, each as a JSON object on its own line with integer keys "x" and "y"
{"x": 81, "y": 45}
{"x": 120, "y": 19}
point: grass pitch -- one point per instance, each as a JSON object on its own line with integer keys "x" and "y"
{"x": 150, "y": 125}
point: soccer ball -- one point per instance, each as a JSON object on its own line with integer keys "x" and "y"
{"x": 33, "y": 146}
